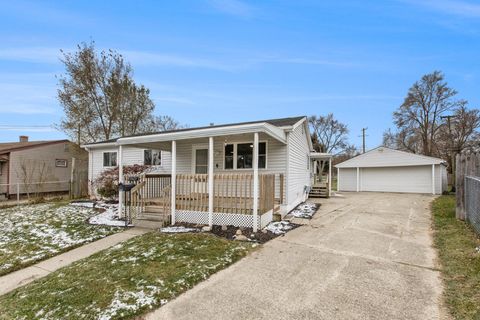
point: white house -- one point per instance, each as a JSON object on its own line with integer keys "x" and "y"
{"x": 388, "y": 170}
{"x": 234, "y": 174}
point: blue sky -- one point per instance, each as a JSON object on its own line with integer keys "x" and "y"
{"x": 227, "y": 61}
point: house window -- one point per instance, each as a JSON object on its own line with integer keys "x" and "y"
{"x": 61, "y": 163}
{"x": 152, "y": 157}
{"x": 229, "y": 154}
{"x": 109, "y": 159}
{"x": 240, "y": 155}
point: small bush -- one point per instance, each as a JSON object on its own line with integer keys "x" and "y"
{"x": 107, "y": 183}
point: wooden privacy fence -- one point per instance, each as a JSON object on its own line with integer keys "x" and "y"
{"x": 467, "y": 164}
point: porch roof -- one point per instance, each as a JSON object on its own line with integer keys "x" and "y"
{"x": 275, "y": 128}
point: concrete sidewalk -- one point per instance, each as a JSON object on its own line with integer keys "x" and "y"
{"x": 21, "y": 277}
{"x": 362, "y": 256}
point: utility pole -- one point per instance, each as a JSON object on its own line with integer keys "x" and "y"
{"x": 363, "y": 137}
{"x": 452, "y": 147}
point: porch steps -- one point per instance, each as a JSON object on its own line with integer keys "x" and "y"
{"x": 152, "y": 218}
{"x": 318, "y": 192}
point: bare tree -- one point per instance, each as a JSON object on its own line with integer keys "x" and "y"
{"x": 458, "y": 132}
{"x": 328, "y": 134}
{"x": 165, "y": 123}
{"x": 100, "y": 98}
{"x": 419, "y": 116}
{"x": 32, "y": 175}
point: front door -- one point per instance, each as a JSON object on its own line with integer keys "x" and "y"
{"x": 200, "y": 166}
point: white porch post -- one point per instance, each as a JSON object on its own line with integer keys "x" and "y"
{"x": 255, "y": 181}
{"x": 433, "y": 179}
{"x": 174, "y": 180}
{"x": 329, "y": 176}
{"x": 338, "y": 179}
{"x": 210, "y": 181}
{"x": 121, "y": 194}
{"x": 358, "y": 179}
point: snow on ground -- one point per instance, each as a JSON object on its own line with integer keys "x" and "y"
{"x": 280, "y": 227}
{"x": 180, "y": 229}
{"x": 108, "y": 217}
{"x": 30, "y": 233}
{"x": 305, "y": 210}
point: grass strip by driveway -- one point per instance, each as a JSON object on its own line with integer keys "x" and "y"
{"x": 126, "y": 280}
{"x": 456, "y": 243}
{"x": 31, "y": 233}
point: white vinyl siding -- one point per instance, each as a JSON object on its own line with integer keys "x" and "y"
{"x": 298, "y": 171}
{"x": 131, "y": 156}
{"x": 347, "y": 179}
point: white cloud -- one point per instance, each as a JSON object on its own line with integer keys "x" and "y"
{"x": 32, "y": 54}
{"x": 233, "y": 7}
{"x": 27, "y": 128}
{"x": 451, "y": 7}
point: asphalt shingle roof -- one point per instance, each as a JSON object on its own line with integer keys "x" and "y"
{"x": 280, "y": 122}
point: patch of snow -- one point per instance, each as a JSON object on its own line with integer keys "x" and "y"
{"x": 130, "y": 301}
{"x": 280, "y": 227}
{"x": 180, "y": 229}
{"x": 305, "y": 210}
{"x": 84, "y": 204}
{"x": 109, "y": 217}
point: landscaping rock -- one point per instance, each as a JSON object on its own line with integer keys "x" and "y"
{"x": 240, "y": 237}
{"x": 206, "y": 229}
{"x": 224, "y": 228}
{"x": 239, "y": 232}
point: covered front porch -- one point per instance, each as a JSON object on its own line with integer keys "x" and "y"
{"x": 224, "y": 178}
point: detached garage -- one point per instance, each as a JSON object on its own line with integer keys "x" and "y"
{"x": 388, "y": 170}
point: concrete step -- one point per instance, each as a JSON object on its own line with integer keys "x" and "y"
{"x": 152, "y": 208}
{"x": 154, "y": 216}
{"x": 148, "y": 224}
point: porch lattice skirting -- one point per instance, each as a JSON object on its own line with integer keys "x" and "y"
{"x": 227, "y": 219}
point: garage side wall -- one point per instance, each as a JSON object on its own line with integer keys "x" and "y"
{"x": 347, "y": 179}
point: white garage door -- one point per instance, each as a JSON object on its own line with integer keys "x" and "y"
{"x": 415, "y": 179}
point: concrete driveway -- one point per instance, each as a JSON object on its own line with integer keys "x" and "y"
{"x": 363, "y": 256}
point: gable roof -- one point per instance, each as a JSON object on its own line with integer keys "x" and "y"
{"x": 386, "y": 157}
{"x": 6, "y": 147}
{"x": 280, "y": 123}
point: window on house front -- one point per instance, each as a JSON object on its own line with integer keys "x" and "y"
{"x": 240, "y": 156}
{"x": 61, "y": 163}
{"x": 109, "y": 159}
{"x": 229, "y": 156}
{"x": 152, "y": 157}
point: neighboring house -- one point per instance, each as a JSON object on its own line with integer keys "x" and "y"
{"x": 246, "y": 190}
{"x": 36, "y": 166}
{"x": 388, "y": 170}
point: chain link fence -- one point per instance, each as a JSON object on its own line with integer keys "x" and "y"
{"x": 472, "y": 202}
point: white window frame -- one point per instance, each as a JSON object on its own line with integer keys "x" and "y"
{"x": 153, "y": 165}
{"x": 103, "y": 158}
{"x": 57, "y": 165}
{"x": 235, "y": 155}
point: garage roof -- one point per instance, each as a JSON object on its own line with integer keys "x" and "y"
{"x": 386, "y": 157}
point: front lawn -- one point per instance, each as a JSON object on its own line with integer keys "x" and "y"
{"x": 456, "y": 244}
{"x": 126, "y": 280}
{"x": 30, "y": 233}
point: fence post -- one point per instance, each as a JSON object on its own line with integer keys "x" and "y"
{"x": 18, "y": 193}
{"x": 459, "y": 186}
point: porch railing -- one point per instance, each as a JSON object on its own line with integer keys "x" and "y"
{"x": 233, "y": 193}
